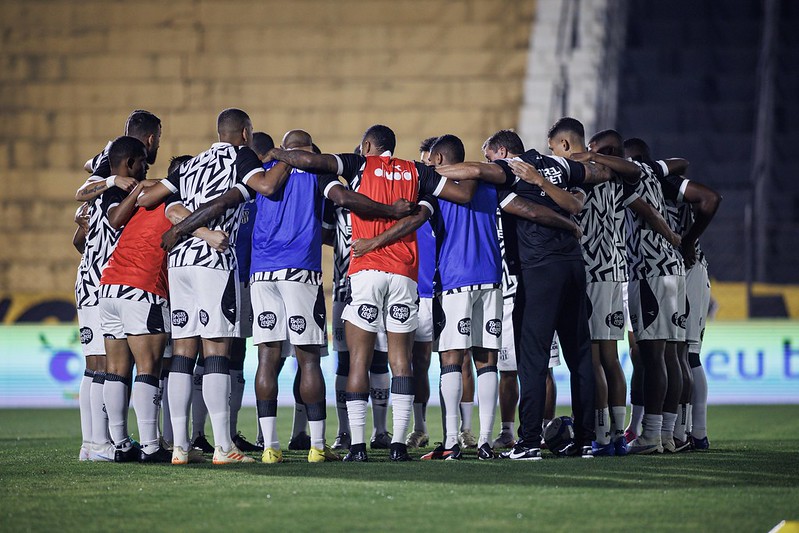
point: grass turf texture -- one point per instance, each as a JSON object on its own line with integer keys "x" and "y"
{"x": 748, "y": 481}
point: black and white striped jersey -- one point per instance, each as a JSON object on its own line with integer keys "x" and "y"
{"x": 603, "y": 242}
{"x": 201, "y": 180}
{"x": 101, "y": 238}
{"x": 342, "y": 245}
{"x": 681, "y": 214}
{"x": 509, "y": 281}
{"x": 649, "y": 254}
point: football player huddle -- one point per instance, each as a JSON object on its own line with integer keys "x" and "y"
{"x": 502, "y": 267}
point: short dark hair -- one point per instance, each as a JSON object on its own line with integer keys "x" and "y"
{"x": 123, "y": 148}
{"x": 142, "y": 123}
{"x": 427, "y": 144}
{"x": 232, "y": 120}
{"x": 600, "y": 135}
{"x": 507, "y": 139}
{"x": 451, "y": 147}
{"x": 176, "y": 161}
{"x": 567, "y": 125}
{"x": 262, "y": 143}
{"x": 382, "y": 137}
{"x": 639, "y": 145}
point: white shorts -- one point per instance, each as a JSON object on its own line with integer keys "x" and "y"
{"x": 378, "y": 298}
{"x": 424, "y": 333}
{"x": 288, "y": 311}
{"x": 245, "y": 311}
{"x": 472, "y": 317}
{"x": 91, "y": 334}
{"x": 120, "y": 317}
{"x": 697, "y": 291}
{"x": 204, "y": 302}
{"x": 506, "y": 361}
{"x": 657, "y": 308}
{"x": 339, "y": 337}
{"x": 605, "y": 310}
{"x": 626, "y": 302}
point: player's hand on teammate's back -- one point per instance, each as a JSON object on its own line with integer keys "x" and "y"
{"x": 582, "y": 157}
{"x": 688, "y": 252}
{"x": 362, "y": 247}
{"x": 82, "y": 216}
{"x": 217, "y": 239}
{"x": 403, "y": 208}
{"x": 526, "y": 171}
{"x": 675, "y": 239}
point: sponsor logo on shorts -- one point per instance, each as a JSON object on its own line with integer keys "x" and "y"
{"x": 198, "y": 380}
{"x": 633, "y": 318}
{"x": 297, "y": 324}
{"x": 179, "y": 318}
{"x": 679, "y": 320}
{"x": 400, "y": 312}
{"x": 504, "y": 354}
{"x": 368, "y": 312}
{"x": 203, "y": 317}
{"x": 267, "y": 320}
{"x": 615, "y": 320}
{"x": 86, "y": 335}
{"x": 494, "y": 327}
{"x": 465, "y": 326}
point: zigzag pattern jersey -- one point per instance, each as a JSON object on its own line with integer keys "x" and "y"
{"x": 202, "y": 179}
{"x": 342, "y": 245}
{"x": 126, "y": 292}
{"x": 506, "y": 228}
{"x": 681, "y": 215}
{"x": 101, "y": 239}
{"x": 603, "y": 242}
{"x": 649, "y": 254}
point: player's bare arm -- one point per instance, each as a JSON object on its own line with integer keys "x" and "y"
{"x": 705, "y": 202}
{"x": 93, "y": 188}
{"x": 403, "y": 227}
{"x": 82, "y": 220}
{"x": 473, "y": 170}
{"x": 270, "y": 181}
{"x": 307, "y": 161}
{"x": 199, "y": 218}
{"x": 216, "y": 239}
{"x": 365, "y": 207}
{"x": 655, "y": 220}
{"x": 601, "y": 167}
{"x": 153, "y": 196}
{"x": 458, "y": 192}
{"x": 540, "y": 214}
{"x": 119, "y": 215}
{"x": 570, "y": 202}
{"x": 674, "y": 165}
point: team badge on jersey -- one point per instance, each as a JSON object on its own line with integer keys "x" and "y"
{"x": 86, "y": 335}
{"x": 368, "y": 312}
{"x": 267, "y": 320}
{"x": 203, "y": 317}
{"x": 494, "y": 327}
{"x": 180, "y": 318}
{"x": 679, "y": 320}
{"x": 297, "y": 324}
{"x": 400, "y": 312}
{"x": 465, "y": 326}
{"x": 615, "y": 320}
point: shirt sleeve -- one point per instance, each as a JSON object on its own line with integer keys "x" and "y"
{"x": 328, "y": 215}
{"x": 173, "y": 200}
{"x": 349, "y": 165}
{"x": 505, "y": 196}
{"x": 172, "y": 182}
{"x": 112, "y": 197}
{"x": 247, "y": 165}
{"x": 429, "y": 201}
{"x": 630, "y": 193}
{"x": 673, "y": 187}
{"x": 510, "y": 177}
{"x": 430, "y": 182}
{"x": 102, "y": 169}
{"x": 325, "y": 182}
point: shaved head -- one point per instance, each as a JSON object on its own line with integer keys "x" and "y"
{"x": 297, "y": 139}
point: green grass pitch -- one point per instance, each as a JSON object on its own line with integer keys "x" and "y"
{"x": 748, "y": 481}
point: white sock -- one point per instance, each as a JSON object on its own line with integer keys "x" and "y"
{"x": 216, "y": 394}
{"x": 99, "y": 416}
{"x": 420, "y": 417}
{"x": 652, "y": 426}
{"x": 618, "y": 414}
{"x": 199, "y": 411}
{"x": 467, "y": 409}
{"x": 145, "y": 404}
{"x": 341, "y": 405}
{"x": 509, "y": 428}
{"x": 681, "y": 425}
{"x": 236, "y": 394}
{"x": 699, "y": 402}
{"x": 636, "y": 419}
{"x": 179, "y": 393}
{"x": 667, "y": 430}
{"x": 690, "y": 419}
{"x": 401, "y": 407}
{"x": 85, "y": 403}
{"x": 487, "y": 396}
{"x": 379, "y": 392}
{"x": 300, "y": 420}
{"x": 602, "y": 425}
{"x": 269, "y": 429}
{"x": 166, "y": 416}
{"x": 317, "y": 429}
{"x": 451, "y": 391}
{"x": 356, "y": 413}
{"x": 115, "y": 394}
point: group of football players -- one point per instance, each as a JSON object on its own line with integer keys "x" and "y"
{"x": 499, "y": 266}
